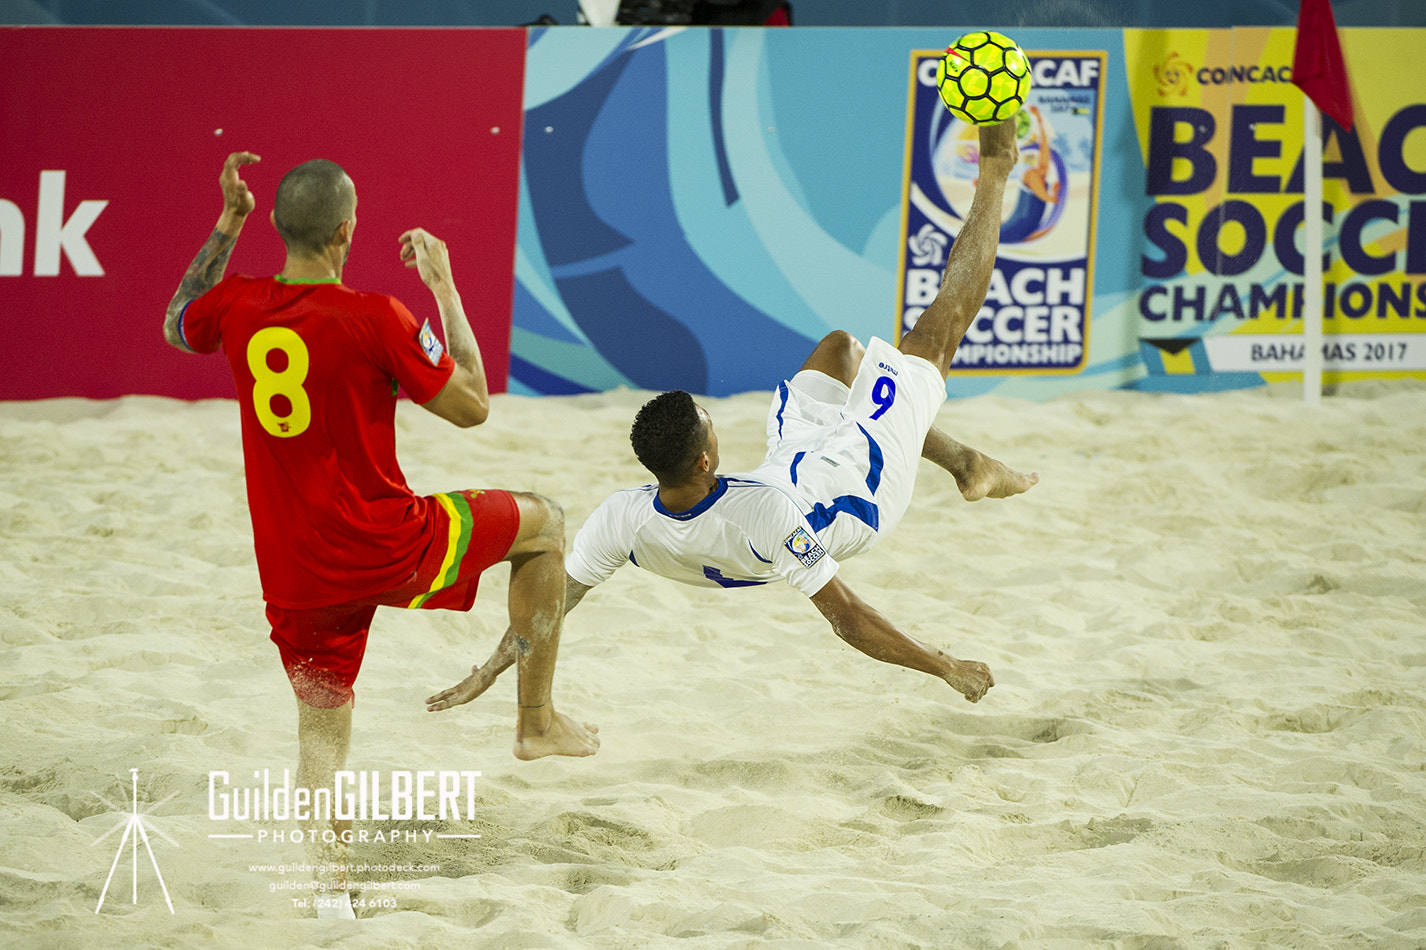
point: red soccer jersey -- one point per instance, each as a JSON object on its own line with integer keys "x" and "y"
{"x": 316, "y": 367}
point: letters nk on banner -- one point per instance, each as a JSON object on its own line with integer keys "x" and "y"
{"x": 124, "y": 132}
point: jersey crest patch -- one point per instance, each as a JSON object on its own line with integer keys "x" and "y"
{"x": 804, "y": 547}
{"x": 431, "y": 344}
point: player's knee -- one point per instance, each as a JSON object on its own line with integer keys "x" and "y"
{"x": 543, "y": 518}
{"x": 846, "y": 349}
{"x": 838, "y": 354}
{"x": 843, "y": 344}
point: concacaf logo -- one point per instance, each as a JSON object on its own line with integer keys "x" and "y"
{"x": 1173, "y": 75}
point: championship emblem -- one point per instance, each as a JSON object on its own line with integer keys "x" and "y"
{"x": 804, "y": 547}
{"x": 431, "y": 344}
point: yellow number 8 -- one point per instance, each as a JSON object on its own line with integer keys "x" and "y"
{"x": 288, "y": 383}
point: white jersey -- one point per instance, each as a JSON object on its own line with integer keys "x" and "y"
{"x": 839, "y": 472}
{"x": 746, "y": 533}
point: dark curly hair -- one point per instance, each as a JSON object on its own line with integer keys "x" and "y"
{"x": 668, "y": 435}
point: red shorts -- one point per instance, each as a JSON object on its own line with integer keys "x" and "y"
{"x": 322, "y": 648}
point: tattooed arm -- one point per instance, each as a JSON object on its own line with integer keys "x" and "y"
{"x": 207, "y": 268}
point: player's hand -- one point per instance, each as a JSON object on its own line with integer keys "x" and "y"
{"x": 971, "y": 678}
{"x": 237, "y": 199}
{"x": 428, "y": 254}
{"x": 999, "y": 151}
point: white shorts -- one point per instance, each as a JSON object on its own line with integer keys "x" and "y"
{"x": 851, "y": 453}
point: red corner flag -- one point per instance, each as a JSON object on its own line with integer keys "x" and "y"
{"x": 1317, "y": 66}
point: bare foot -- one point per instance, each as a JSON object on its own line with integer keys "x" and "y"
{"x": 970, "y": 678}
{"x": 480, "y": 679}
{"x": 563, "y": 736}
{"x": 985, "y": 477}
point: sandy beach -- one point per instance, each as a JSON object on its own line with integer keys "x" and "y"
{"x": 1207, "y": 626}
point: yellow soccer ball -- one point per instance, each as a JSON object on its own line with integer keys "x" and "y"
{"x": 983, "y": 78}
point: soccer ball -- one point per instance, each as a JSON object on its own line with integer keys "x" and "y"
{"x": 983, "y": 78}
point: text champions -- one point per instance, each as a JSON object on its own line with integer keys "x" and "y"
{"x": 361, "y": 796}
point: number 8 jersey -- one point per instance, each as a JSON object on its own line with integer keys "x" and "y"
{"x": 317, "y": 366}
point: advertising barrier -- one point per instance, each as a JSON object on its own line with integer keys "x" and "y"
{"x": 695, "y": 208}
{"x": 1220, "y": 129}
{"x": 109, "y": 185}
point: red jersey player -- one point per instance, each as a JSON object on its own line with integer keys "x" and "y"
{"x": 336, "y": 529}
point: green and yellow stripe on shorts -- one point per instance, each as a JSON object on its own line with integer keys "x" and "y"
{"x": 457, "y": 541}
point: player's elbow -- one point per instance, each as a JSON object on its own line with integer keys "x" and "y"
{"x": 461, "y": 402}
{"x": 473, "y": 413}
{"x": 171, "y": 334}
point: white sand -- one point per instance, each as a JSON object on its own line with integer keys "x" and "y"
{"x": 1207, "y": 626}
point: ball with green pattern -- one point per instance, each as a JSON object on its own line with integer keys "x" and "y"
{"x": 983, "y": 78}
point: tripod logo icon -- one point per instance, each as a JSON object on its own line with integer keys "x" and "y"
{"x": 135, "y": 828}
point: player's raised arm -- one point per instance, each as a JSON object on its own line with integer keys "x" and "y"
{"x": 207, "y": 268}
{"x": 867, "y": 630}
{"x": 465, "y": 399}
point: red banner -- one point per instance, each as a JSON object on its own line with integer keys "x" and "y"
{"x": 114, "y": 138}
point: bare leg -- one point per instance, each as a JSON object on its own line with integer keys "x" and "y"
{"x": 323, "y": 738}
{"x": 977, "y": 474}
{"x": 838, "y": 354}
{"x": 537, "y": 586}
{"x": 972, "y": 258}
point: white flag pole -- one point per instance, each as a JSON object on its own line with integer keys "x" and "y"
{"x": 1311, "y": 253}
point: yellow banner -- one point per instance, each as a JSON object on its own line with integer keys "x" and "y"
{"x": 1220, "y": 133}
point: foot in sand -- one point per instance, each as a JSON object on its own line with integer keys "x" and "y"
{"x": 562, "y": 736}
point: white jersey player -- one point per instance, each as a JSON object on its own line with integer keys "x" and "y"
{"x": 838, "y": 474}
{"x": 844, "y": 438}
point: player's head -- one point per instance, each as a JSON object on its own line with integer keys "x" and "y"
{"x": 313, "y": 201}
{"x": 670, "y": 435}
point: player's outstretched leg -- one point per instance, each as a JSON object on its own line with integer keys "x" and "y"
{"x": 971, "y": 261}
{"x": 537, "y": 589}
{"x": 977, "y": 475}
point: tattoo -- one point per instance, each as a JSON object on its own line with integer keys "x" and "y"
{"x": 523, "y": 646}
{"x": 203, "y": 275}
{"x": 207, "y": 268}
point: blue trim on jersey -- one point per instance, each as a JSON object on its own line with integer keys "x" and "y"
{"x": 631, "y": 559}
{"x": 181, "y": 335}
{"x": 714, "y": 575}
{"x": 873, "y": 475}
{"x": 866, "y": 511}
{"x": 781, "y": 406}
{"x": 793, "y": 471}
{"x": 697, "y": 509}
{"x": 756, "y": 554}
